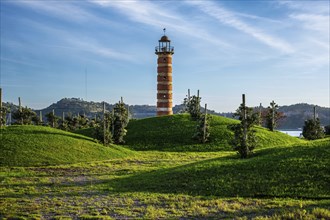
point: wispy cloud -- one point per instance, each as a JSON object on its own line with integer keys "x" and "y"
{"x": 62, "y": 10}
{"x": 69, "y": 41}
{"x": 311, "y": 19}
{"x": 316, "y": 6}
{"x": 315, "y": 22}
{"x": 227, "y": 17}
{"x": 158, "y": 16}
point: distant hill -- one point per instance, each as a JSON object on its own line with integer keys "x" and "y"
{"x": 295, "y": 114}
{"x": 298, "y": 113}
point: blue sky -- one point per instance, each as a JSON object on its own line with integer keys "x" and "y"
{"x": 102, "y": 50}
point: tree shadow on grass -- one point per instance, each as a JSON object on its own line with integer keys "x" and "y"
{"x": 296, "y": 172}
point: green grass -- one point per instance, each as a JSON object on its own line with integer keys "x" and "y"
{"x": 287, "y": 178}
{"x": 107, "y": 189}
{"x": 174, "y": 133}
{"x": 298, "y": 172}
{"x": 37, "y": 145}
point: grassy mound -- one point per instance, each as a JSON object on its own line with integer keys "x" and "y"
{"x": 174, "y": 133}
{"x": 297, "y": 172}
{"x": 37, "y": 145}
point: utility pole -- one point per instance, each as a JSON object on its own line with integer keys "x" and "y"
{"x": 260, "y": 115}
{"x": 53, "y": 118}
{"x": 244, "y": 123}
{"x": 1, "y": 108}
{"x": 204, "y": 128}
{"x": 20, "y": 108}
{"x": 113, "y": 123}
{"x": 273, "y": 114}
{"x": 40, "y": 116}
{"x": 104, "y": 125}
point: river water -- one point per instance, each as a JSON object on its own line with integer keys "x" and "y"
{"x": 293, "y": 133}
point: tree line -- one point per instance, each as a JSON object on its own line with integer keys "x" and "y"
{"x": 109, "y": 127}
{"x": 244, "y": 140}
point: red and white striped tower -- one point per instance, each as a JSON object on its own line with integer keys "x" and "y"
{"x": 164, "y": 52}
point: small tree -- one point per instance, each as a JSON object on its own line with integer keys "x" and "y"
{"x": 3, "y": 116}
{"x": 312, "y": 129}
{"x": 273, "y": 116}
{"x": 327, "y": 129}
{"x": 105, "y": 136}
{"x": 202, "y": 133}
{"x": 120, "y": 121}
{"x": 52, "y": 119}
{"x": 244, "y": 140}
{"x": 192, "y": 105}
{"x": 24, "y": 116}
{"x": 36, "y": 120}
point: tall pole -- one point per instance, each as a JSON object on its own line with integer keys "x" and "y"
{"x": 244, "y": 122}
{"x": 0, "y": 107}
{"x": 260, "y": 119}
{"x": 273, "y": 115}
{"x": 20, "y": 108}
{"x": 104, "y": 126}
{"x": 314, "y": 113}
{"x": 188, "y": 95}
{"x": 53, "y": 118}
{"x": 204, "y": 128}
{"x": 40, "y": 116}
{"x": 113, "y": 123}
{"x": 19, "y": 104}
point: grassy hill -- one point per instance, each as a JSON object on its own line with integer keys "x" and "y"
{"x": 174, "y": 133}
{"x": 302, "y": 171}
{"x": 36, "y": 145}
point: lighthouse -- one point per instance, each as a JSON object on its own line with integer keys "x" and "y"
{"x": 164, "y": 51}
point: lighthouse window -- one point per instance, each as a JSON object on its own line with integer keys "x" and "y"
{"x": 164, "y": 60}
{"x": 164, "y": 96}
{"x": 164, "y": 77}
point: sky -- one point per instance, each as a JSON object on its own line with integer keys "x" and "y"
{"x": 101, "y": 50}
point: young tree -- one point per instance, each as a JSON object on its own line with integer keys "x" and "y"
{"x": 327, "y": 129}
{"x": 273, "y": 116}
{"x": 103, "y": 130}
{"x": 52, "y": 119}
{"x": 36, "y": 120}
{"x": 244, "y": 140}
{"x": 23, "y": 116}
{"x": 82, "y": 121}
{"x": 312, "y": 129}
{"x": 3, "y": 115}
{"x": 120, "y": 121}
{"x": 203, "y": 129}
{"x": 192, "y": 105}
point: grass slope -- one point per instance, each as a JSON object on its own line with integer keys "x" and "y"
{"x": 174, "y": 133}
{"x": 37, "y": 145}
{"x": 107, "y": 189}
{"x": 297, "y": 172}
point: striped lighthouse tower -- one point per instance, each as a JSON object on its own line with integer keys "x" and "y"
{"x": 164, "y": 52}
